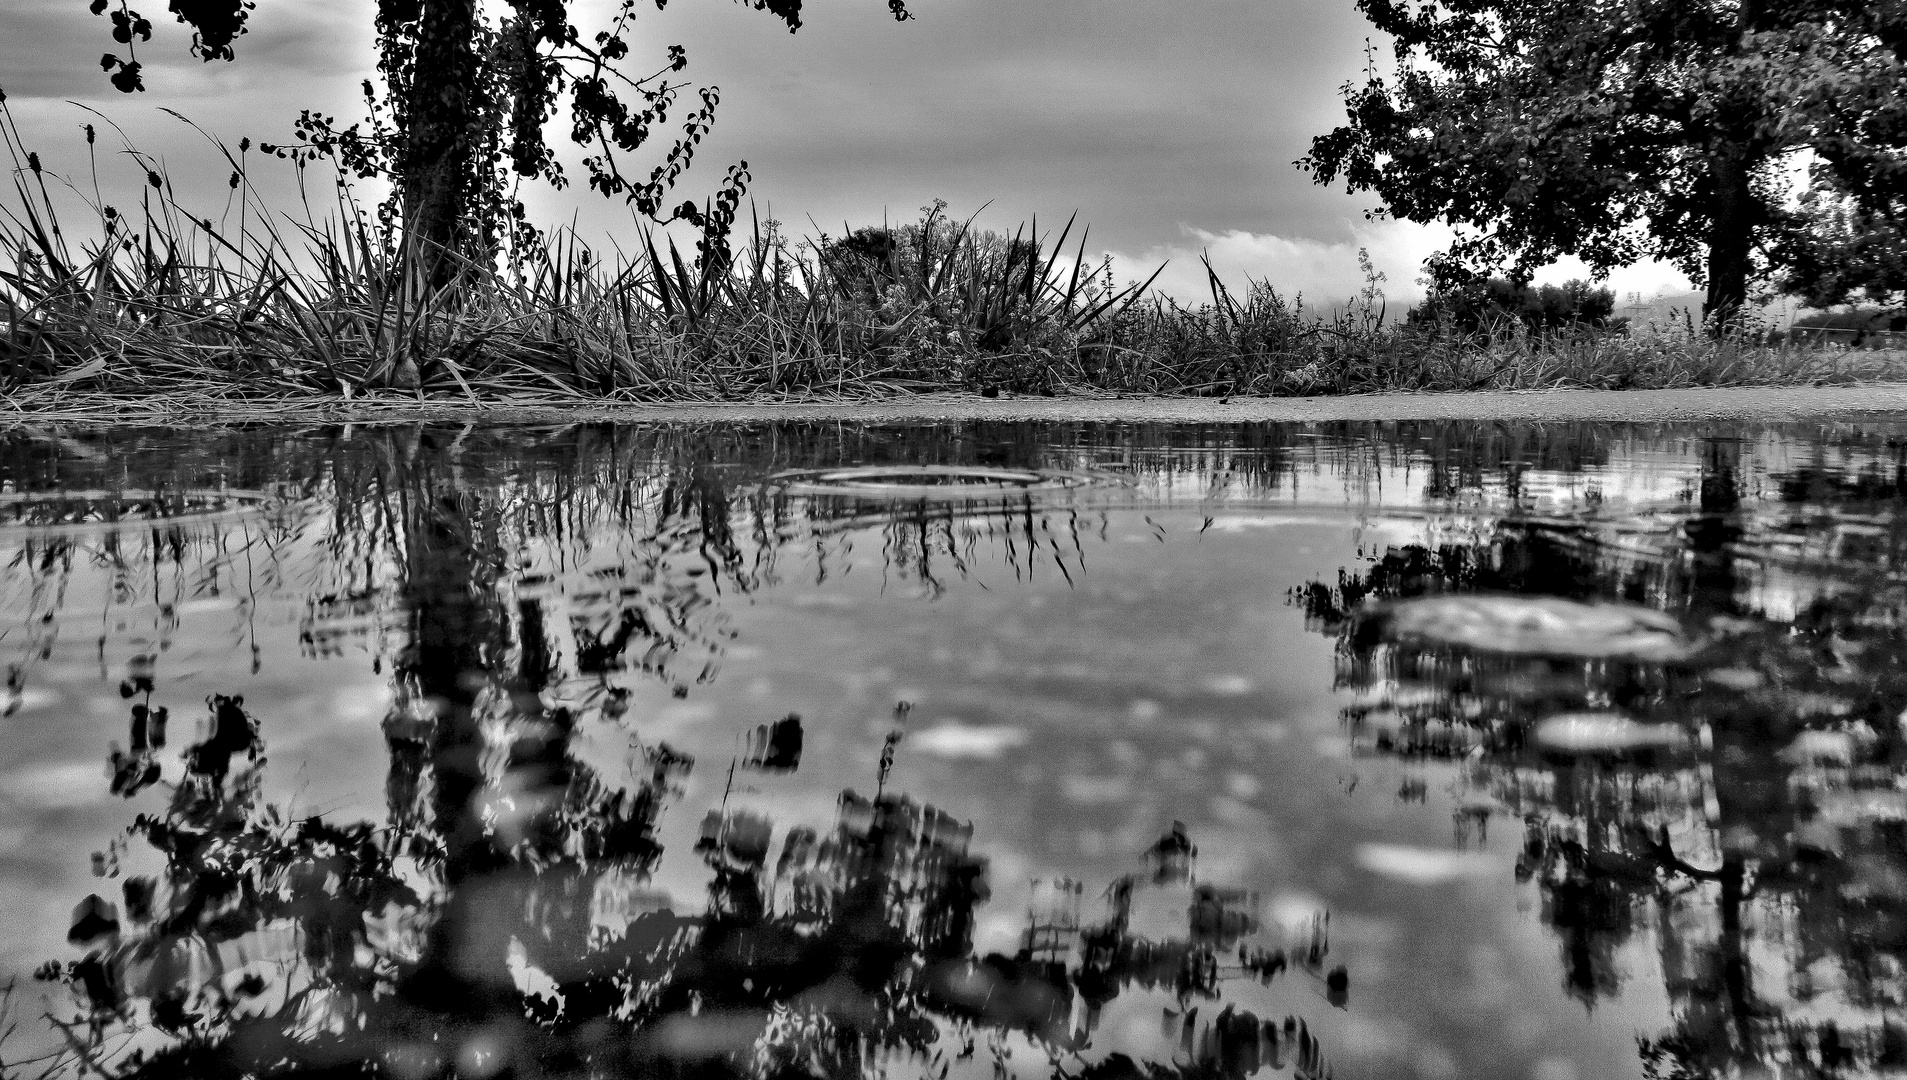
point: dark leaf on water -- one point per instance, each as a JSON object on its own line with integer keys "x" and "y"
{"x": 169, "y": 1012}
{"x": 138, "y": 892}
{"x": 1337, "y": 986}
{"x": 93, "y": 918}
{"x": 97, "y": 981}
{"x": 776, "y": 747}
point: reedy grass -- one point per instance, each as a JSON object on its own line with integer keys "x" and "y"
{"x": 258, "y": 306}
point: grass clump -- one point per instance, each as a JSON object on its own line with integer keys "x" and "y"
{"x": 252, "y": 305}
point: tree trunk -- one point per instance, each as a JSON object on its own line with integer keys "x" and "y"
{"x": 434, "y": 167}
{"x": 1734, "y": 956}
{"x": 456, "y": 630}
{"x": 1729, "y": 240}
{"x": 1731, "y": 167}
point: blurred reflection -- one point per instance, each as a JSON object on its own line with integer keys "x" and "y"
{"x": 502, "y": 918}
{"x": 1730, "y": 802}
{"x": 514, "y": 935}
{"x": 1740, "y": 806}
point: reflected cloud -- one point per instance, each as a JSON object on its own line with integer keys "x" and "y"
{"x": 1423, "y": 866}
{"x": 53, "y": 786}
{"x": 957, "y": 740}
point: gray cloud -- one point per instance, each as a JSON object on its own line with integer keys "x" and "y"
{"x": 1140, "y": 114}
{"x": 51, "y": 48}
{"x": 1143, "y": 115}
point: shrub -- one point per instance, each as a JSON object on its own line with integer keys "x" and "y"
{"x": 1538, "y": 307}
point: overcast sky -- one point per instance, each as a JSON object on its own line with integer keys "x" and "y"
{"x": 1169, "y": 125}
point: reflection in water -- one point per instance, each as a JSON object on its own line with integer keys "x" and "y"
{"x": 1673, "y": 689}
{"x": 499, "y": 920}
{"x": 512, "y": 935}
{"x": 1737, "y": 799}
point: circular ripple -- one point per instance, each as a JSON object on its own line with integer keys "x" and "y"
{"x": 951, "y": 482}
{"x": 69, "y": 512}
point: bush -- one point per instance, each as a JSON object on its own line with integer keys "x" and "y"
{"x": 1492, "y": 303}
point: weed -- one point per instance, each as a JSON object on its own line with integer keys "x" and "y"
{"x": 255, "y": 305}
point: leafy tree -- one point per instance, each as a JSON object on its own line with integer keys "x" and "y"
{"x": 467, "y": 92}
{"x": 1615, "y": 131}
{"x": 1847, "y": 253}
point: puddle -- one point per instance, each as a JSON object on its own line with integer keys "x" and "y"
{"x": 957, "y": 750}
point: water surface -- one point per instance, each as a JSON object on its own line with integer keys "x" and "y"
{"x": 1441, "y": 750}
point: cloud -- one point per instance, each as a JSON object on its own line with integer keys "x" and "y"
{"x": 298, "y": 52}
{"x": 1325, "y": 273}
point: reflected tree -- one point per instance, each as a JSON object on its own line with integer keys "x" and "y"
{"x": 503, "y": 919}
{"x": 1766, "y": 831}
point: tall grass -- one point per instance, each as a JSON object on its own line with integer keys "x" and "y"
{"x": 254, "y": 304}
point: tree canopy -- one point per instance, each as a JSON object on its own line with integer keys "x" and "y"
{"x": 467, "y": 92}
{"x": 1617, "y": 130}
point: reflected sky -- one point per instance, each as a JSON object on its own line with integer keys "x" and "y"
{"x": 1052, "y": 750}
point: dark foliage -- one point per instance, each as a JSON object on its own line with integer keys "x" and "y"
{"x": 1660, "y": 128}
{"x": 1496, "y": 302}
{"x": 862, "y": 263}
{"x": 1847, "y": 254}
